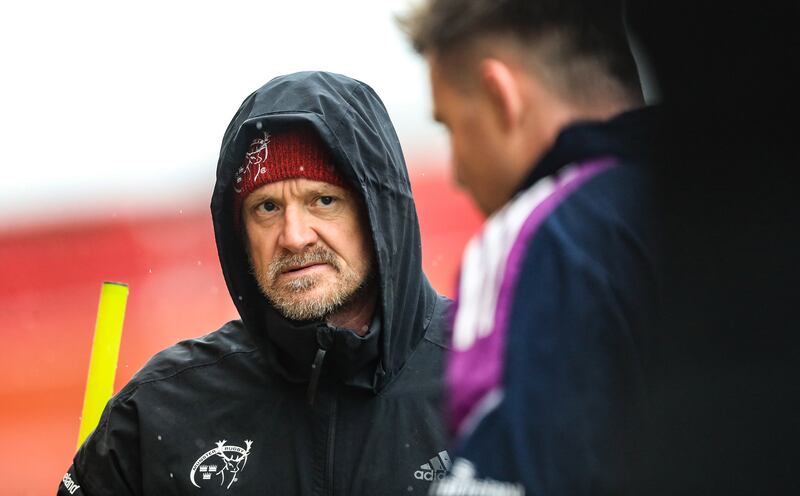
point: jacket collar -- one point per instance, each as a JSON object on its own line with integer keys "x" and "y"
{"x": 631, "y": 135}
{"x": 291, "y": 348}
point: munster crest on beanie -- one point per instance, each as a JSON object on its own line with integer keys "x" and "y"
{"x": 287, "y": 154}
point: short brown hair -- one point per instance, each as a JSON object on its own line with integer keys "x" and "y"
{"x": 571, "y": 30}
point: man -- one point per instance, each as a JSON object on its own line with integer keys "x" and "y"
{"x": 330, "y": 382}
{"x": 547, "y": 384}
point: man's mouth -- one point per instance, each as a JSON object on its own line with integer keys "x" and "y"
{"x": 304, "y": 269}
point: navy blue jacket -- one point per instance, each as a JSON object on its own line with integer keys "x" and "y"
{"x": 552, "y": 344}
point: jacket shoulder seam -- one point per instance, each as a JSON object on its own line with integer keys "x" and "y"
{"x": 426, "y": 338}
{"x": 191, "y": 367}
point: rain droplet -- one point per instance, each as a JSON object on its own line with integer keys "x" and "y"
{"x": 408, "y": 445}
{"x": 410, "y": 489}
{"x": 150, "y": 271}
{"x": 259, "y": 125}
{"x": 302, "y": 168}
{"x": 170, "y": 475}
{"x": 159, "y": 437}
{"x": 180, "y": 211}
{"x": 199, "y": 262}
{"x": 240, "y": 298}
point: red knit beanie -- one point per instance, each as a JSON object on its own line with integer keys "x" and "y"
{"x": 288, "y": 154}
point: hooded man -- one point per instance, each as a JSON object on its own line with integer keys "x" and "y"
{"x": 330, "y": 382}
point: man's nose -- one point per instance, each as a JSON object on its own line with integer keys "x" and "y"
{"x": 298, "y": 233}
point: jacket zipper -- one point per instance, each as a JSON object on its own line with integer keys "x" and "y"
{"x": 331, "y": 445}
{"x": 316, "y": 370}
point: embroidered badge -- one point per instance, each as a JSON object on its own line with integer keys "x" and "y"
{"x": 223, "y": 466}
{"x": 254, "y": 163}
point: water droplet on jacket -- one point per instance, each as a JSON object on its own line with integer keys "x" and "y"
{"x": 170, "y": 475}
{"x": 259, "y": 125}
{"x": 159, "y": 437}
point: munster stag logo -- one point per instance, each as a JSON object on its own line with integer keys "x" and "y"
{"x": 228, "y": 464}
{"x": 254, "y": 164}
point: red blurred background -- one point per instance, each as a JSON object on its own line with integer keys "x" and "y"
{"x": 50, "y": 286}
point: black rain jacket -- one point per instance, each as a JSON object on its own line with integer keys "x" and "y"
{"x": 240, "y": 411}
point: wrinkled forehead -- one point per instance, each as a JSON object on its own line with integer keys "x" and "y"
{"x": 300, "y": 189}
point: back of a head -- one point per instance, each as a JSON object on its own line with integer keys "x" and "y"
{"x": 580, "y": 45}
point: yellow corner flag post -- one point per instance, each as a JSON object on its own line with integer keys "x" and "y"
{"x": 105, "y": 351}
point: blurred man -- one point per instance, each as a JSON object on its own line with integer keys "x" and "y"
{"x": 548, "y": 379}
{"x": 330, "y": 382}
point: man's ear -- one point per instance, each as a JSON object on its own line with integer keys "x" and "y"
{"x": 503, "y": 89}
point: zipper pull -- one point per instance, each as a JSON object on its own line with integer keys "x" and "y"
{"x": 316, "y": 369}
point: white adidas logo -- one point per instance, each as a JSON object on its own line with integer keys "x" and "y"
{"x": 436, "y": 468}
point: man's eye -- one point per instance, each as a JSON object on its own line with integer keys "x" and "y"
{"x": 326, "y": 200}
{"x": 268, "y": 207}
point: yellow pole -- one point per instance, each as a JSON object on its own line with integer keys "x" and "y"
{"x": 105, "y": 351}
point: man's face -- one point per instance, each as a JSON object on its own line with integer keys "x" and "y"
{"x": 309, "y": 246}
{"x": 475, "y": 144}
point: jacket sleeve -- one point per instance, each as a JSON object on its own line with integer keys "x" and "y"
{"x": 108, "y": 462}
{"x": 572, "y": 391}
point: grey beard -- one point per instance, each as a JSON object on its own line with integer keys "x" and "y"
{"x": 288, "y": 298}
{"x": 318, "y": 309}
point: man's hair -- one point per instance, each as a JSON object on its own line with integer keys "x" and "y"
{"x": 567, "y": 36}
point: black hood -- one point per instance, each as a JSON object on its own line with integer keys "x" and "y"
{"x": 353, "y": 123}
